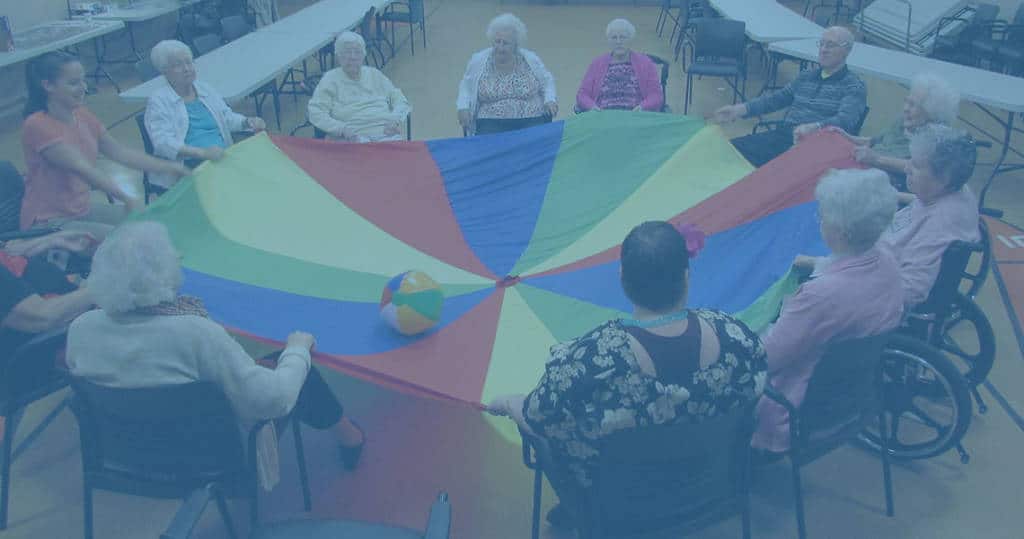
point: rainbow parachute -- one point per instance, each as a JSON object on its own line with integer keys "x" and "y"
{"x": 520, "y": 229}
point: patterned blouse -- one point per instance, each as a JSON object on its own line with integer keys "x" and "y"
{"x": 620, "y": 89}
{"x": 514, "y": 95}
{"x": 592, "y": 386}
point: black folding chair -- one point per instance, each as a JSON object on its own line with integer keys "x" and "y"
{"x": 147, "y": 143}
{"x": 844, "y": 397}
{"x": 167, "y": 441}
{"x": 409, "y": 12}
{"x": 719, "y": 50}
{"x": 668, "y": 477}
{"x": 29, "y": 375}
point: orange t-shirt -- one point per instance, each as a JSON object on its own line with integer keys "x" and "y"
{"x": 51, "y": 191}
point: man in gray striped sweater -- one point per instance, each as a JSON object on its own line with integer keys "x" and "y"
{"x": 829, "y": 95}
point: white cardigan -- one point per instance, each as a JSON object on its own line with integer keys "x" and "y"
{"x": 131, "y": 351}
{"x": 167, "y": 122}
{"x": 470, "y": 85}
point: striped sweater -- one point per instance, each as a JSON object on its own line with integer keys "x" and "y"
{"x": 838, "y": 100}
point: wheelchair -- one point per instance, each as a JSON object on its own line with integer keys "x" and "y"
{"x": 935, "y": 361}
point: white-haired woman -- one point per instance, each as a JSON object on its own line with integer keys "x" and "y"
{"x": 942, "y": 210}
{"x": 622, "y": 79}
{"x": 145, "y": 334}
{"x": 355, "y": 102}
{"x": 505, "y": 87}
{"x": 856, "y": 293}
{"x": 931, "y": 100}
{"x": 186, "y": 120}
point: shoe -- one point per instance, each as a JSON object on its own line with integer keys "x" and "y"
{"x": 561, "y": 518}
{"x": 350, "y": 454}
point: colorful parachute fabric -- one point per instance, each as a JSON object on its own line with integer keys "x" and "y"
{"x": 520, "y": 229}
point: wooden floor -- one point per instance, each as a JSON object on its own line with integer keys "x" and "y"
{"x": 418, "y": 447}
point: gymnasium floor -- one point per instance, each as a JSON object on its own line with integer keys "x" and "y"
{"x": 418, "y": 447}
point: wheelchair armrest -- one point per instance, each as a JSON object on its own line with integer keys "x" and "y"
{"x": 781, "y": 399}
{"x": 188, "y": 514}
{"x": 439, "y": 522}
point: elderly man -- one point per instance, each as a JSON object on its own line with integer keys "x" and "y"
{"x": 828, "y": 96}
{"x": 355, "y": 102}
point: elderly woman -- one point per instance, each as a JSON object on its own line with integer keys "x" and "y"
{"x": 505, "y": 87}
{"x": 62, "y": 141}
{"x": 943, "y": 209}
{"x": 187, "y": 120}
{"x": 622, "y": 79}
{"x": 355, "y": 102}
{"x": 666, "y": 364}
{"x": 145, "y": 334}
{"x": 931, "y": 101}
{"x": 856, "y": 294}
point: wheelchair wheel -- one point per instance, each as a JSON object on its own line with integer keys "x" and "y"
{"x": 926, "y": 398}
{"x": 967, "y": 336}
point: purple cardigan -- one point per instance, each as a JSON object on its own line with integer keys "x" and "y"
{"x": 646, "y": 73}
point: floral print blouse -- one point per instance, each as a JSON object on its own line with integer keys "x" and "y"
{"x": 514, "y": 95}
{"x": 592, "y": 386}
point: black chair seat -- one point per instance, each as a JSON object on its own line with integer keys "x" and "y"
{"x": 1011, "y": 53}
{"x": 393, "y": 16}
{"x": 333, "y": 529}
{"x": 715, "y": 69}
{"x": 985, "y": 46}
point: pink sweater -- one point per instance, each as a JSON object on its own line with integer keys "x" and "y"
{"x": 646, "y": 73}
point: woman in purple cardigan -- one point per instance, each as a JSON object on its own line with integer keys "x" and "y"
{"x": 621, "y": 79}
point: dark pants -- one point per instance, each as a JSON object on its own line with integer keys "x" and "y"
{"x": 486, "y": 126}
{"x": 316, "y": 406}
{"x": 764, "y": 146}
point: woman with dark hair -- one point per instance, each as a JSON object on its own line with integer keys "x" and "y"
{"x": 664, "y": 365}
{"x": 62, "y": 139}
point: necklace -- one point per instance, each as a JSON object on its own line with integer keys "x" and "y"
{"x": 660, "y": 321}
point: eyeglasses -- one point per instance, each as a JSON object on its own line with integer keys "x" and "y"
{"x": 181, "y": 64}
{"x": 829, "y": 45}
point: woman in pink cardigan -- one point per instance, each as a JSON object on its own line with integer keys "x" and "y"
{"x": 621, "y": 79}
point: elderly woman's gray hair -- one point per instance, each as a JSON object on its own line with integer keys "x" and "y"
{"x": 167, "y": 51}
{"x": 621, "y": 25}
{"x": 347, "y": 38}
{"x": 507, "y": 22}
{"x": 941, "y": 102}
{"x": 950, "y": 153}
{"x": 856, "y": 204}
{"x": 136, "y": 266}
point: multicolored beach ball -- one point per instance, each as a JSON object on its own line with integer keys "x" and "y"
{"x": 411, "y": 303}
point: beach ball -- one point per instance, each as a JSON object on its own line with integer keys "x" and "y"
{"x": 411, "y": 303}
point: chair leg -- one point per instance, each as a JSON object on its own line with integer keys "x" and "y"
{"x": 5, "y": 482}
{"x": 300, "y": 455}
{"x": 277, "y": 105}
{"x": 412, "y": 41}
{"x": 535, "y": 524}
{"x": 222, "y": 508}
{"x": 686, "y": 98}
{"x": 883, "y": 431}
{"x": 87, "y": 507}
{"x": 798, "y": 501}
{"x": 423, "y": 30}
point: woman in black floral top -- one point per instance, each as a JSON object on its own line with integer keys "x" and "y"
{"x": 666, "y": 365}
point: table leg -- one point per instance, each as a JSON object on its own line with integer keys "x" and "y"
{"x": 131, "y": 40}
{"x": 99, "y": 48}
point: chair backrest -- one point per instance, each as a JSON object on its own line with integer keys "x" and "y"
{"x": 234, "y": 27}
{"x": 668, "y": 476}
{"x": 416, "y": 11}
{"x": 984, "y": 14}
{"x": 147, "y": 143}
{"x": 29, "y": 373}
{"x": 844, "y": 385}
{"x": 947, "y": 284}
{"x": 664, "y": 65}
{"x": 12, "y": 190}
{"x": 145, "y": 70}
{"x": 205, "y": 43}
{"x": 720, "y": 38}
{"x": 367, "y": 28}
{"x": 163, "y": 434}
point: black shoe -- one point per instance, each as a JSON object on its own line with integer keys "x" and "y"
{"x": 350, "y": 454}
{"x": 561, "y": 518}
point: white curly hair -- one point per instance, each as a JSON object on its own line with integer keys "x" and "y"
{"x": 136, "y": 266}
{"x": 507, "y": 22}
{"x": 166, "y": 51}
{"x": 856, "y": 204}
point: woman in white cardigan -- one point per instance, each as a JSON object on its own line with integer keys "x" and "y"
{"x": 186, "y": 120}
{"x": 144, "y": 334}
{"x": 505, "y": 87}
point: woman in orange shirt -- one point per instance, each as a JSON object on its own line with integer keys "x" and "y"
{"x": 62, "y": 139}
